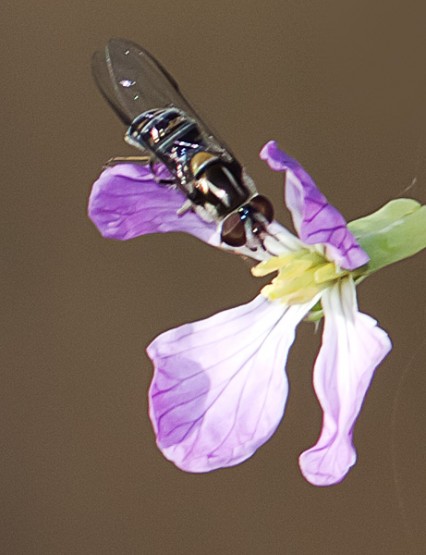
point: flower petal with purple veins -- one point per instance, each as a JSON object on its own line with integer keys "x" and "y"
{"x": 219, "y": 388}
{"x": 315, "y": 220}
{"x": 352, "y": 347}
{"x": 126, "y": 201}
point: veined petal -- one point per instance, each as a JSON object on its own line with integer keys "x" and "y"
{"x": 352, "y": 347}
{"x": 126, "y": 202}
{"x": 314, "y": 218}
{"x": 219, "y": 388}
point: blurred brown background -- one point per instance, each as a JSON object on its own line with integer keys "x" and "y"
{"x": 341, "y": 85}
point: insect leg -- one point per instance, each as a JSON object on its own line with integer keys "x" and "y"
{"x": 160, "y": 180}
{"x": 127, "y": 160}
{"x": 142, "y": 160}
{"x": 186, "y": 207}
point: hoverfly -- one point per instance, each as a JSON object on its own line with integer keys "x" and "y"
{"x": 163, "y": 125}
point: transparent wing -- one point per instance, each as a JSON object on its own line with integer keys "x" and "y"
{"x": 133, "y": 81}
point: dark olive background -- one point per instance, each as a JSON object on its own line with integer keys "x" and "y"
{"x": 341, "y": 85}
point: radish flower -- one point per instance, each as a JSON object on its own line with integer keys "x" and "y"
{"x": 219, "y": 388}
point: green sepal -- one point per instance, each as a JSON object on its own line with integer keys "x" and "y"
{"x": 396, "y": 231}
{"x": 315, "y": 314}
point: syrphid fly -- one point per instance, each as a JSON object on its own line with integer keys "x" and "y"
{"x": 163, "y": 125}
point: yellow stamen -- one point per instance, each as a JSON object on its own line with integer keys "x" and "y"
{"x": 301, "y": 276}
{"x": 271, "y": 265}
{"x": 328, "y": 272}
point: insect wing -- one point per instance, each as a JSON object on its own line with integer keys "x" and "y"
{"x": 133, "y": 82}
{"x": 105, "y": 82}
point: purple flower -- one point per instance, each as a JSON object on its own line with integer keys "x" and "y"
{"x": 219, "y": 388}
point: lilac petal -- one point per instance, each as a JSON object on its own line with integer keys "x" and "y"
{"x": 315, "y": 220}
{"x": 126, "y": 202}
{"x": 219, "y": 388}
{"x": 352, "y": 347}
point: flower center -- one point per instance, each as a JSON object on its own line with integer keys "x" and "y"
{"x": 301, "y": 276}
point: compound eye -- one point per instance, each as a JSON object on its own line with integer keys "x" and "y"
{"x": 263, "y": 206}
{"x": 233, "y": 232}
